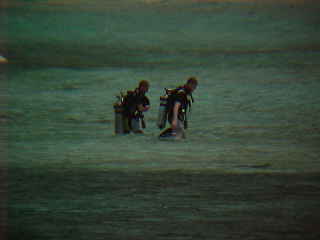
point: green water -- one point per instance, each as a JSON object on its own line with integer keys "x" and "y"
{"x": 249, "y": 168}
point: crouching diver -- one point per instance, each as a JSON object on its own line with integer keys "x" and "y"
{"x": 173, "y": 108}
{"x": 129, "y": 110}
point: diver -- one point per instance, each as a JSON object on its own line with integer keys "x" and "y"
{"x": 130, "y": 108}
{"x": 173, "y": 108}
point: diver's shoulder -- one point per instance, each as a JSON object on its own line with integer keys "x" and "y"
{"x": 181, "y": 91}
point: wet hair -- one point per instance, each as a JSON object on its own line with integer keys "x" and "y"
{"x": 144, "y": 83}
{"x": 192, "y": 81}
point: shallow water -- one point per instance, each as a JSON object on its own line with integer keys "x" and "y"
{"x": 256, "y": 111}
{"x": 249, "y": 116}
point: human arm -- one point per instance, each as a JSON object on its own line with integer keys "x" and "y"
{"x": 143, "y": 104}
{"x": 142, "y": 108}
{"x": 174, "y": 122}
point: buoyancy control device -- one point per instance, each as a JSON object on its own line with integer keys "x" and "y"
{"x": 166, "y": 103}
{"x": 164, "y": 108}
{"x": 126, "y": 113}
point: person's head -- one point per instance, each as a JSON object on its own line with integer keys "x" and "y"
{"x": 191, "y": 84}
{"x": 143, "y": 86}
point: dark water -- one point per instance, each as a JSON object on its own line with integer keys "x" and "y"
{"x": 250, "y": 164}
{"x": 59, "y": 203}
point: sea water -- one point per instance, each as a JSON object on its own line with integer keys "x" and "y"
{"x": 257, "y": 104}
{"x": 249, "y": 166}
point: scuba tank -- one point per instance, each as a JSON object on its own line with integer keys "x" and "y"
{"x": 166, "y": 105}
{"x": 163, "y": 108}
{"x": 118, "y": 114}
{"x": 163, "y": 112}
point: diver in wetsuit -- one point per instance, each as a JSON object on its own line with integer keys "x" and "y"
{"x": 135, "y": 103}
{"x": 178, "y": 102}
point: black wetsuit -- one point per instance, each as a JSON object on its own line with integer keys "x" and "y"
{"x": 131, "y": 102}
{"x": 179, "y": 95}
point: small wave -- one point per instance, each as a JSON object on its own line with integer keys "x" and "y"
{"x": 255, "y": 166}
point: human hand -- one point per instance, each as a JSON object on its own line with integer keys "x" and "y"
{"x": 174, "y": 124}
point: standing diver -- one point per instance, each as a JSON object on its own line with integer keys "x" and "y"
{"x": 130, "y": 109}
{"x": 173, "y": 107}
